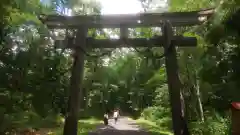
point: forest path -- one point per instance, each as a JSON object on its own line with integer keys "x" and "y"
{"x": 124, "y": 126}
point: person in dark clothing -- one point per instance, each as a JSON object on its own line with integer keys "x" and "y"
{"x": 105, "y": 119}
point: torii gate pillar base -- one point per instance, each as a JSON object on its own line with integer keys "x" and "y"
{"x": 235, "y": 110}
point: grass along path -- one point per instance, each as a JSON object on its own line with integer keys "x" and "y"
{"x": 84, "y": 127}
{"x": 152, "y": 127}
{"x": 125, "y": 125}
{"x": 128, "y": 126}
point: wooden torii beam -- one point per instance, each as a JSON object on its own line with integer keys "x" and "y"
{"x": 134, "y": 42}
{"x": 168, "y": 41}
{"x": 128, "y": 20}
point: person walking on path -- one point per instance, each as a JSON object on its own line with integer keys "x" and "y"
{"x": 105, "y": 119}
{"x": 115, "y": 115}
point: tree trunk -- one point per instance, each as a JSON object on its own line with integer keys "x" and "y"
{"x": 184, "y": 119}
{"x": 196, "y": 91}
{"x": 199, "y": 102}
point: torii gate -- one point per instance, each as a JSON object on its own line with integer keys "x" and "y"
{"x": 168, "y": 40}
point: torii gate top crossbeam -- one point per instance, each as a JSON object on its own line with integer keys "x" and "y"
{"x": 128, "y": 20}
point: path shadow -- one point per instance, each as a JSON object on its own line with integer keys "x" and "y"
{"x": 153, "y": 129}
{"x": 126, "y": 127}
{"x": 104, "y": 127}
{"x": 112, "y": 131}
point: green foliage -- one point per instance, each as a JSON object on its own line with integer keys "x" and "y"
{"x": 23, "y": 120}
{"x": 191, "y": 5}
{"x": 160, "y": 115}
{"x": 85, "y": 126}
{"x": 212, "y": 126}
{"x": 152, "y": 127}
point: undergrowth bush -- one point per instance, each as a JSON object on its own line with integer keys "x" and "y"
{"x": 22, "y": 120}
{"x": 160, "y": 115}
{"x": 214, "y": 124}
{"x": 211, "y": 126}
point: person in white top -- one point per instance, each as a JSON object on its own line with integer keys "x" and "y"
{"x": 115, "y": 115}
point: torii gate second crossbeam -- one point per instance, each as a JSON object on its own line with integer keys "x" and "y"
{"x": 168, "y": 41}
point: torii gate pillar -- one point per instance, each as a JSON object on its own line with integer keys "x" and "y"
{"x": 235, "y": 118}
{"x": 71, "y": 118}
{"x": 174, "y": 84}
